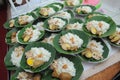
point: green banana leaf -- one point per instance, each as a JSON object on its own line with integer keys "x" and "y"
{"x": 82, "y": 13}
{"x": 7, "y": 25}
{"x": 7, "y": 60}
{"x": 21, "y": 32}
{"x": 45, "y": 65}
{"x": 8, "y": 36}
{"x": 21, "y": 26}
{"x": 102, "y": 18}
{"x": 81, "y": 34}
{"x": 105, "y": 54}
{"x": 78, "y": 66}
{"x": 65, "y": 2}
{"x": 112, "y": 43}
{"x": 49, "y": 6}
{"x": 46, "y": 25}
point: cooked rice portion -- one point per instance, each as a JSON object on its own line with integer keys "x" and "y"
{"x": 76, "y": 26}
{"x": 70, "y": 41}
{"x": 84, "y": 9}
{"x": 31, "y": 34}
{"x": 47, "y": 11}
{"x": 37, "y": 56}
{"x": 63, "y": 14}
{"x": 25, "y": 19}
{"x": 115, "y": 38}
{"x": 49, "y": 39}
{"x": 72, "y": 2}
{"x": 97, "y": 27}
{"x": 56, "y": 23}
{"x": 39, "y": 26}
{"x": 94, "y": 50}
{"x": 63, "y": 68}
{"x": 16, "y": 55}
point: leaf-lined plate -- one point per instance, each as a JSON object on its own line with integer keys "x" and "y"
{"x": 71, "y": 6}
{"x": 46, "y": 25}
{"x": 113, "y": 43}
{"x": 21, "y": 26}
{"x": 48, "y": 47}
{"x": 7, "y": 23}
{"x": 56, "y": 9}
{"x": 77, "y": 64}
{"x": 105, "y": 54}
{"x": 81, "y": 35}
{"x": 7, "y": 60}
{"x": 9, "y": 35}
{"x": 108, "y": 20}
{"x": 82, "y": 13}
{"x": 21, "y": 32}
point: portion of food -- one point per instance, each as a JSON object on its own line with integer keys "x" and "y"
{"x": 47, "y": 11}
{"x": 31, "y": 35}
{"x": 97, "y": 27}
{"x": 115, "y": 37}
{"x": 37, "y": 56}
{"x": 49, "y": 39}
{"x": 16, "y": 55}
{"x": 94, "y": 50}
{"x": 70, "y": 41}
{"x": 72, "y": 2}
{"x": 13, "y": 37}
{"x": 63, "y": 69}
{"x": 25, "y": 19}
{"x": 39, "y": 26}
{"x": 84, "y": 9}
{"x": 12, "y": 23}
{"x": 76, "y": 26}
{"x": 56, "y": 23}
{"x": 65, "y": 14}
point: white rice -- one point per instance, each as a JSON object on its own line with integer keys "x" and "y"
{"x": 51, "y": 11}
{"x": 86, "y": 9}
{"x": 95, "y": 46}
{"x": 60, "y": 62}
{"x": 76, "y": 26}
{"x": 26, "y": 18}
{"x": 37, "y": 51}
{"x": 35, "y": 36}
{"x": 39, "y": 26}
{"x": 57, "y": 21}
{"x": 16, "y": 56}
{"x": 74, "y": 2}
{"x": 104, "y": 28}
{"x": 67, "y": 39}
{"x": 64, "y": 14}
{"x": 49, "y": 39}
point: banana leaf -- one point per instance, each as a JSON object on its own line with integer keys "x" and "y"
{"x": 7, "y": 25}
{"x": 105, "y": 54}
{"x": 49, "y": 47}
{"x": 78, "y": 66}
{"x": 108, "y": 20}
{"x": 81, "y": 13}
{"x": 112, "y": 43}
{"x": 21, "y": 32}
{"x": 8, "y": 36}
{"x": 7, "y": 60}
{"x": 81, "y": 34}
{"x": 46, "y": 25}
{"x": 57, "y": 3}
